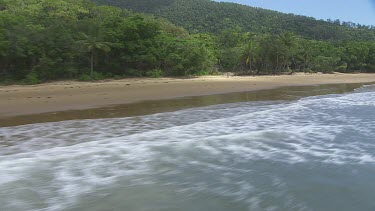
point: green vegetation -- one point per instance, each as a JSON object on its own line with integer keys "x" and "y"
{"x": 92, "y": 46}
{"x": 206, "y": 16}
{"x": 43, "y": 40}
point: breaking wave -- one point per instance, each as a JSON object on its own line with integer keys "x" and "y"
{"x": 248, "y": 155}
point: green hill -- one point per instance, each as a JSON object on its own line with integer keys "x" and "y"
{"x": 43, "y": 40}
{"x": 201, "y": 16}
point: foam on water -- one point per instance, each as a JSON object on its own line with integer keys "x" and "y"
{"x": 229, "y": 151}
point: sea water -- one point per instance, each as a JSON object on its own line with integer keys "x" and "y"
{"x": 315, "y": 153}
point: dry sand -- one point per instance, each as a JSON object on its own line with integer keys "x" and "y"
{"x": 71, "y": 95}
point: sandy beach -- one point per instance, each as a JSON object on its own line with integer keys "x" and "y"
{"x": 19, "y": 100}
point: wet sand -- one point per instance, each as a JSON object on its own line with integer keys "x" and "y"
{"x": 70, "y": 95}
{"x": 77, "y": 100}
{"x": 170, "y": 105}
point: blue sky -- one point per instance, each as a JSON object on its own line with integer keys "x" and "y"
{"x": 358, "y": 11}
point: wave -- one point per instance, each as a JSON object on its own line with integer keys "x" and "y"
{"x": 57, "y": 164}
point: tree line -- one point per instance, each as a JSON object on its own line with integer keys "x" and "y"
{"x": 274, "y": 54}
{"x": 43, "y": 40}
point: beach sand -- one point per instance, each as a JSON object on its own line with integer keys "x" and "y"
{"x": 19, "y": 100}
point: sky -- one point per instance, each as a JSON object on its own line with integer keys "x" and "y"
{"x": 357, "y": 11}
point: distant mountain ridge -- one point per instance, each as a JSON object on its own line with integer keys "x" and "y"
{"x": 202, "y": 16}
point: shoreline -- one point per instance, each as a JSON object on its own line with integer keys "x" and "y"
{"x": 19, "y": 100}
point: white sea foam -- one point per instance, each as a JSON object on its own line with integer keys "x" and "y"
{"x": 52, "y": 166}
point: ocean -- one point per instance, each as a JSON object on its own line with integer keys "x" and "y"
{"x": 310, "y": 153}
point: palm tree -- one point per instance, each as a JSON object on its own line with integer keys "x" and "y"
{"x": 92, "y": 45}
{"x": 289, "y": 40}
{"x": 248, "y": 54}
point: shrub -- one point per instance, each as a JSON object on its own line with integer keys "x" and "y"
{"x": 342, "y": 68}
{"x": 6, "y": 81}
{"x": 32, "y": 78}
{"x": 95, "y": 77}
{"x": 156, "y": 73}
{"x": 118, "y": 77}
{"x": 84, "y": 77}
{"x": 98, "y": 76}
{"x": 133, "y": 73}
{"x": 325, "y": 64}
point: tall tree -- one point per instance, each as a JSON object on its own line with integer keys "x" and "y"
{"x": 289, "y": 40}
{"x": 248, "y": 54}
{"x": 93, "y": 45}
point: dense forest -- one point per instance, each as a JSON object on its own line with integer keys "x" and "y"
{"x": 43, "y": 40}
{"x": 206, "y": 16}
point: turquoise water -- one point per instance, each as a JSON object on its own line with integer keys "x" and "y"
{"x": 315, "y": 153}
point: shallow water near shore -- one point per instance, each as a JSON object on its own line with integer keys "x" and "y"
{"x": 158, "y": 106}
{"x": 284, "y": 151}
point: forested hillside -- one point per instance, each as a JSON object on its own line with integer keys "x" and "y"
{"x": 57, "y": 39}
{"x": 202, "y": 16}
{"x": 43, "y": 40}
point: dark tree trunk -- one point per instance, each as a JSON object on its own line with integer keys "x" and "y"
{"x": 92, "y": 65}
